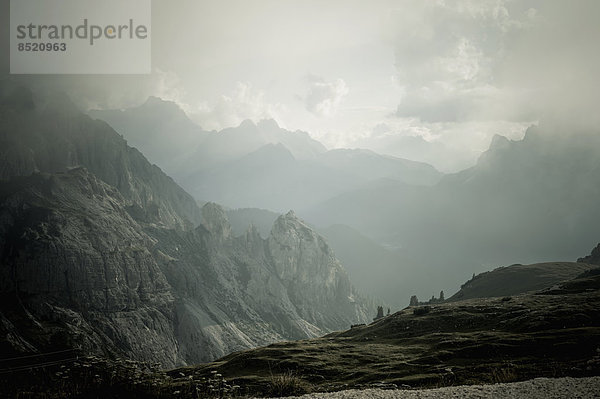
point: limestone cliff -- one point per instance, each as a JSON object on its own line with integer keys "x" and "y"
{"x": 76, "y": 270}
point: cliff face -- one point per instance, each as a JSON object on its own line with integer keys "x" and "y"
{"x": 240, "y": 292}
{"x": 315, "y": 279}
{"x": 77, "y": 270}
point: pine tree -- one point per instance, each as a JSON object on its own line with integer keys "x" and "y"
{"x": 442, "y": 295}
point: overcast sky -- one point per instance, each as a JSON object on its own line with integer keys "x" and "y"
{"x": 431, "y": 80}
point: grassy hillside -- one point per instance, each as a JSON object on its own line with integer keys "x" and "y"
{"x": 550, "y": 333}
{"x": 517, "y": 279}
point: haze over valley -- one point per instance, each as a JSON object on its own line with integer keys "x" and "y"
{"x": 303, "y": 198}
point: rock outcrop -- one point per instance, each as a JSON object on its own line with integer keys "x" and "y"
{"x": 593, "y": 258}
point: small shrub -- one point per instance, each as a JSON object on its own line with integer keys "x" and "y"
{"x": 421, "y": 310}
{"x": 506, "y": 373}
{"x": 506, "y": 298}
{"x": 287, "y": 384}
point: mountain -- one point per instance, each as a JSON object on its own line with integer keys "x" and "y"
{"x": 258, "y": 165}
{"x": 518, "y": 279}
{"x": 78, "y": 271}
{"x": 531, "y": 200}
{"x": 97, "y": 254}
{"x": 49, "y": 134}
{"x": 268, "y": 178}
{"x": 233, "y": 143}
{"x": 159, "y": 129}
{"x": 272, "y": 178}
{"x": 382, "y": 273}
{"x": 369, "y": 166}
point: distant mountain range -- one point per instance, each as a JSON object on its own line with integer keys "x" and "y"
{"x": 102, "y": 252}
{"x": 256, "y": 165}
{"x": 525, "y": 201}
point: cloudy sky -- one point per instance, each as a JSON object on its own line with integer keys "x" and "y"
{"x": 430, "y": 80}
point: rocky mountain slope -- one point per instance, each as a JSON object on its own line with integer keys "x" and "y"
{"x": 593, "y": 258}
{"x": 97, "y": 253}
{"x": 79, "y": 271}
{"x": 47, "y": 133}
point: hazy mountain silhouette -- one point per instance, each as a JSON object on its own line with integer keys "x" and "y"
{"x": 260, "y": 165}
{"x": 159, "y": 129}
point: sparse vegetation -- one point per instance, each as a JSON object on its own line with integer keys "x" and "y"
{"x": 287, "y": 384}
{"x": 505, "y": 373}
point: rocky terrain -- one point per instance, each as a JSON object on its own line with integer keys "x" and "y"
{"x": 593, "y": 258}
{"x": 102, "y": 252}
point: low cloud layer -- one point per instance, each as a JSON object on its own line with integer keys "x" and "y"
{"x": 452, "y": 73}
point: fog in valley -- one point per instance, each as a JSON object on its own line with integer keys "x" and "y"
{"x": 312, "y": 161}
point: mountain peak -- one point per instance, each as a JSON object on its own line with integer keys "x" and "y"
{"x": 214, "y": 219}
{"x": 153, "y": 102}
{"x": 247, "y": 123}
{"x": 291, "y": 223}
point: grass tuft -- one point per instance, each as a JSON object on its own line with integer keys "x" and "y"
{"x": 287, "y": 384}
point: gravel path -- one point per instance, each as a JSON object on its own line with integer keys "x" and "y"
{"x": 539, "y": 388}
